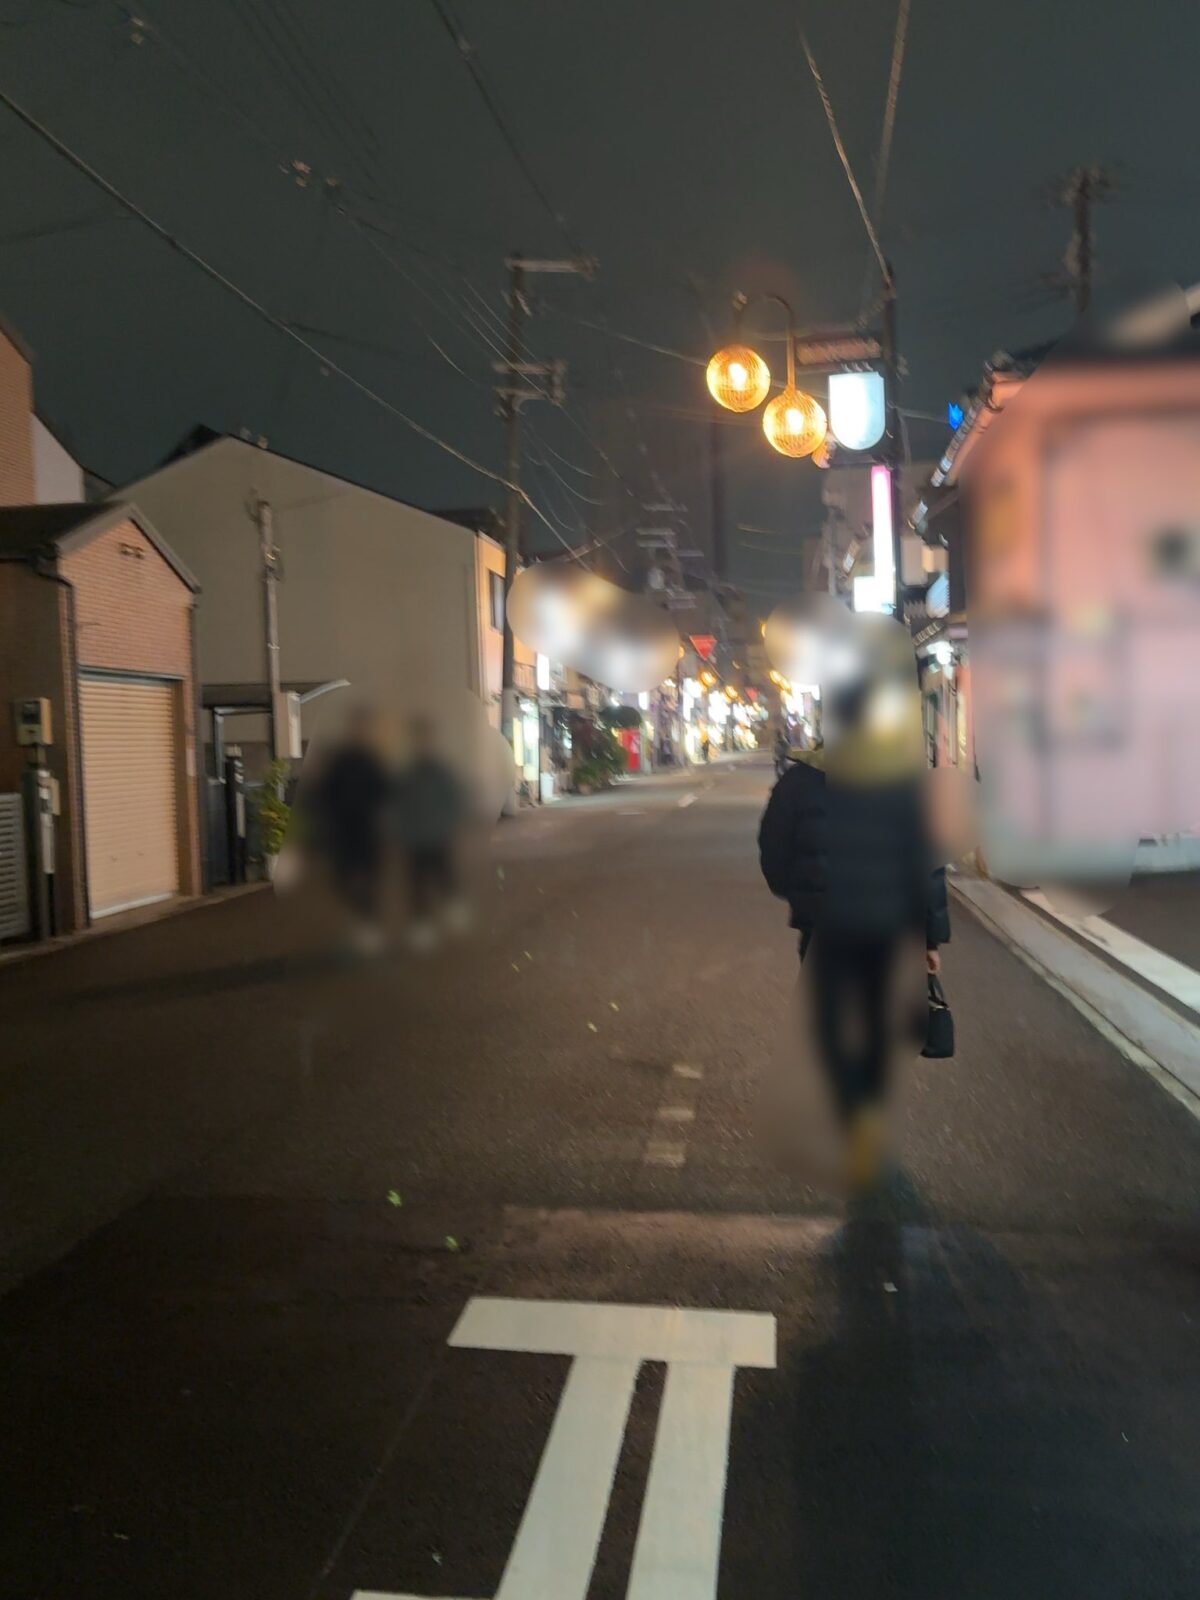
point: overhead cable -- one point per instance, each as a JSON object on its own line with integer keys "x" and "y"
{"x": 261, "y": 311}
{"x": 872, "y": 236}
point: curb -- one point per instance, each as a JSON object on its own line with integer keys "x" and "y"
{"x": 1151, "y": 1033}
{"x": 105, "y": 929}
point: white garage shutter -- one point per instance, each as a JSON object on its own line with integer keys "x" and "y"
{"x": 130, "y": 802}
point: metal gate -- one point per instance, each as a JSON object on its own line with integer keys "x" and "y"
{"x": 130, "y": 790}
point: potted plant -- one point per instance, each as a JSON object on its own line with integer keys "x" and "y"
{"x": 273, "y": 814}
{"x": 599, "y": 767}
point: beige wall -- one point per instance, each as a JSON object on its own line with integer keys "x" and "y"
{"x": 372, "y": 590}
{"x": 490, "y": 559}
{"x": 16, "y": 434}
{"x": 57, "y": 476}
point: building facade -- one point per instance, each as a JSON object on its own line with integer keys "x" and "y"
{"x": 371, "y": 591}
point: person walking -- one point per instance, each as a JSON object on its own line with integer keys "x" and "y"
{"x": 346, "y": 805}
{"x": 430, "y": 812}
{"x": 845, "y": 841}
{"x": 704, "y": 745}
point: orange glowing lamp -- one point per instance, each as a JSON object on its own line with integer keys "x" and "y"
{"x": 738, "y": 378}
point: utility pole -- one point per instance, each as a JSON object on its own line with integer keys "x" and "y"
{"x": 893, "y": 450}
{"x": 1081, "y": 239}
{"x": 510, "y": 410}
{"x": 716, "y": 468}
{"x": 512, "y": 396}
{"x": 1080, "y": 191}
{"x": 269, "y": 558}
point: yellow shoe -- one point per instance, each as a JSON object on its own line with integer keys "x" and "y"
{"x": 865, "y": 1149}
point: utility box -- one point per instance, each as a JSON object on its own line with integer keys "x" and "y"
{"x": 288, "y": 745}
{"x": 34, "y": 725}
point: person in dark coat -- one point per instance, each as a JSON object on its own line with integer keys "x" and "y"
{"x": 845, "y": 842}
{"x": 430, "y": 812}
{"x": 347, "y": 806}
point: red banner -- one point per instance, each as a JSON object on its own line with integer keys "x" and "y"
{"x": 703, "y": 644}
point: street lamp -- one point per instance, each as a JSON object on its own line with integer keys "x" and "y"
{"x": 739, "y": 379}
{"x": 794, "y": 423}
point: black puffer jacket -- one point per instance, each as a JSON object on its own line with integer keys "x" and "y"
{"x": 852, "y": 858}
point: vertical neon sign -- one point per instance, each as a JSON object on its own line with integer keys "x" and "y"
{"x": 881, "y": 538}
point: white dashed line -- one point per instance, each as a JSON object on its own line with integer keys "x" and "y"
{"x": 688, "y": 800}
{"x": 678, "y": 1111}
{"x": 665, "y": 1153}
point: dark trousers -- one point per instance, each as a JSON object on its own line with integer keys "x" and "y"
{"x": 356, "y": 877}
{"x": 430, "y": 877}
{"x": 851, "y": 989}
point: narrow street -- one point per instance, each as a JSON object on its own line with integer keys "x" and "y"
{"x": 249, "y": 1198}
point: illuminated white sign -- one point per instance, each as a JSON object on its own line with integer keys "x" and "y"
{"x": 866, "y": 594}
{"x": 856, "y": 409}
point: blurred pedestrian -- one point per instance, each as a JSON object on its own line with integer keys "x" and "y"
{"x": 846, "y": 842}
{"x": 347, "y": 804}
{"x": 430, "y": 812}
{"x": 704, "y": 745}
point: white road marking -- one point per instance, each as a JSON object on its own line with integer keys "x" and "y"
{"x": 615, "y": 1332}
{"x": 1158, "y": 968}
{"x": 556, "y": 1545}
{"x": 688, "y": 800}
{"x": 1174, "y": 1038}
{"x": 679, "y": 1537}
{"x": 678, "y": 1110}
{"x": 678, "y": 1548}
{"x": 665, "y": 1153}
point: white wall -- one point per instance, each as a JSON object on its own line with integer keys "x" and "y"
{"x": 371, "y": 590}
{"x": 57, "y": 478}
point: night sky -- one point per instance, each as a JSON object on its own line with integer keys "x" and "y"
{"x": 682, "y": 144}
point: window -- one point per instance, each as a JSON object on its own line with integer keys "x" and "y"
{"x": 496, "y": 588}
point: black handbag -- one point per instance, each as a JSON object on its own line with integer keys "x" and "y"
{"x": 939, "y": 1027}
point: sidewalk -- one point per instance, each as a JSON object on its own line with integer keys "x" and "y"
{"x": 1143, "y": 998}
{"x": 127, "y": 921}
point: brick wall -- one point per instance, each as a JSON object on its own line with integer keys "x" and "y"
{"x": 16, "y": 427}
{"x": 133, "y": 613}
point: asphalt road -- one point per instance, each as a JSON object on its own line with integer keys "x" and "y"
{"x": 251, "y": 1195}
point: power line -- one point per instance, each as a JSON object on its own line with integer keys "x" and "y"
{"x": 582, "y": 471}
{"x": 470, "y": 60}
{"x": 587, "y": 499}
{"x": 51, "y": 229}
{"x": 625, "y": 338}
{"x": 842, "y": 156}
{"x": 215, "y": 89}
{"x": 259, "y": 310}
{"x": 883, "y": 159}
